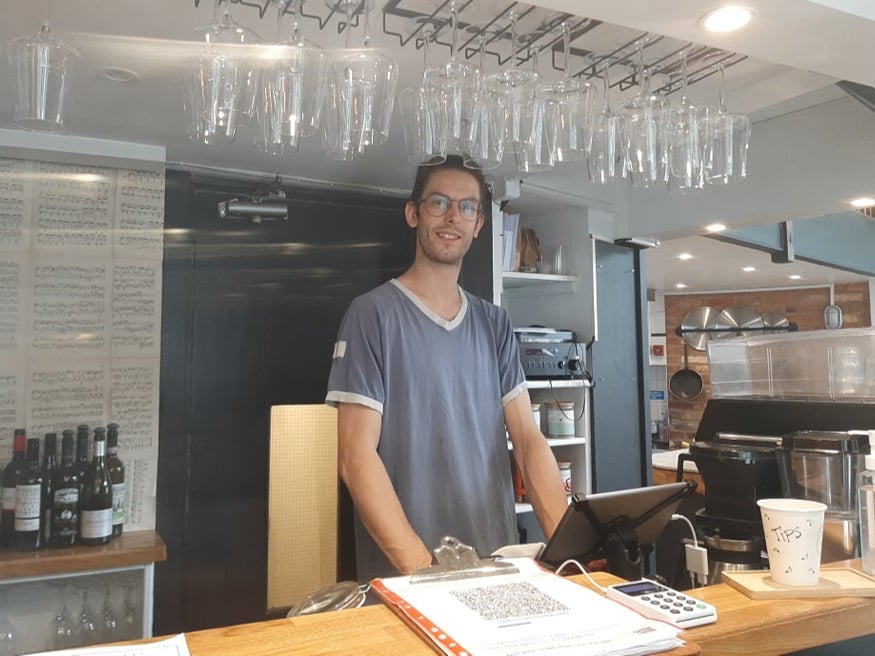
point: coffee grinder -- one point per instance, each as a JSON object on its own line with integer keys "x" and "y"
{"x": 739, "y": 453}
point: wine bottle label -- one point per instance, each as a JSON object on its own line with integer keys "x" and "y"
{"x": 9, "y": 498}
{"x": 28, "y": 505}
{"x": 119, "y": 491}
{"x": 96, "y": 523}
{"x": 65, "y": 512}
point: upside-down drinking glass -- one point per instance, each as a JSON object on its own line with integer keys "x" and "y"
{"x": 219, "y": 93}
{"x": 40, "y": 64}
{"x": 422, "y": 114}
{"x": 361, "y": 93}
{"x": 567, "y": 110}
{"x": 726, "y": 141}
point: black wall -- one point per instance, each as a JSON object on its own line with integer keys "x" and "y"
{"x": 250, "y": 314}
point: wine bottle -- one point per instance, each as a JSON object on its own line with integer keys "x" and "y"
{"x": 65, "y": 496}
{"x": 117, "y": 476}
{"x": 10, "y": 478}
{"x": 29, "y": 501}
{"x": 83, "y": 458}
{"x": 50, "y": 450}
{"x": 95, "y": 504}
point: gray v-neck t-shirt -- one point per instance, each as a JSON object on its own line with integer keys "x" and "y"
{"x": 441, "y": 387}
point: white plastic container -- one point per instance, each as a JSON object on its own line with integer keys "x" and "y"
{"x": 866, "y": 506}
{"x": 560, "y": 419}
{"x": 536, "y": 414}
{"x": 565, "y": 473}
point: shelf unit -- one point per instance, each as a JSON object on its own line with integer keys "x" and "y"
{"x": 37, "y": 584}
{"x": 563, "y": 301}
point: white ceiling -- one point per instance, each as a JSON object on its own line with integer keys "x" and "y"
{"x": 796, "y": 50}
{"x": 718, "y": 266}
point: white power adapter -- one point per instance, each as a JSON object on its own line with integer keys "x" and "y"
{"x": 697, "y": 561}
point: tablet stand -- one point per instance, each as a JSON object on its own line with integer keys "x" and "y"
{"x": 618, "y": 540}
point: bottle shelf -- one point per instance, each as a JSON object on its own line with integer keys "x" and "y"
{"x": 136, "y": 548}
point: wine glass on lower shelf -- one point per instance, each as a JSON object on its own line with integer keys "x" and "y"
{"x": 109, "y": 623}
{"x": 61, "y": 629}
{"x": 129, "y": 622}
{"x": 86, "y": 633}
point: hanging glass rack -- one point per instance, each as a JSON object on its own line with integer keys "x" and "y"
{"x": 592, "y": 41}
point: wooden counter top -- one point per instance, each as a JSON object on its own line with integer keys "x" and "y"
{"x": 130, "y": 549}
{"x": 750, "y": 627}
{"x": 368, "y": 631}
{"x": 744, "y": 627}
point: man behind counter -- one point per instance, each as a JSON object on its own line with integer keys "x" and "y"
{"x": 425, "y": 376}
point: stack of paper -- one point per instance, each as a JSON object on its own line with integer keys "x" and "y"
{"x": 526, "y": 613}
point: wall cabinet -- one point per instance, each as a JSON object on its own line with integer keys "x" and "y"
{"x": 96, "y": 594}
{"x": 562, "y": 300}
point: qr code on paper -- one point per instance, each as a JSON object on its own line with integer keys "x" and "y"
{"x": 509, "y": 601}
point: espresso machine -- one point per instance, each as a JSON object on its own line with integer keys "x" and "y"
{"x": 748, "y": 449}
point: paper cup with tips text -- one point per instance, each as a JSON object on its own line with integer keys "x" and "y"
{"x": 794, "y": 536}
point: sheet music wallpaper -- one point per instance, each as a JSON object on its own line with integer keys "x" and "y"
{"x": 81, "y": 250}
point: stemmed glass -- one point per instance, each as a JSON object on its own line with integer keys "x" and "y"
{"x": 726, "y": 141}
{"x": 61, "y": 629}
{"x": 361, "y": 92}
{"x": 219, "y": 94}
{"x": 605, "y": 160}
{"x": 40, "y": 63}
{"x": 422, "y": 113}
{"x": 511, "y": 95}
{"x": 487, "y": 129}
{"x": 535, "y": 154}
{"x": 130, "y": 628}
{"x": 292, "y": 88}
{"x": 8, "y": 640}
{"x": 109, "y": 623}
{"x": 86, "y": 633}
{"x": 457, "y": 84}
{"x": 685, "y": 148}
{"x": 568, "y": 106}
{"x": 644, "y": 126}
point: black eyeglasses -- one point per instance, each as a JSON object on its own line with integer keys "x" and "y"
{"x": 438, "y": 205}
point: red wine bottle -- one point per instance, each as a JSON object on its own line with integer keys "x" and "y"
{"x": 29, "y": 501}
{"x": 50, "y": 450}
{"x": 10, "y": 479}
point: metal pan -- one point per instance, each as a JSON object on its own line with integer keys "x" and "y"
{"x": 686, "y": 384}
{"x": 695, "y": 325}
{"x": 775, "y": 322}
{"x": 737, "y": 321}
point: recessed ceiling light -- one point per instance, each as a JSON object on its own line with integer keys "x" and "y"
{"x": 681, "y": 285}
{"x": 726, "y": 19}
{"x": 863, "y": 201}
{"x": 685, "y": 256}
{"x": 715, "y": 227}
{"x": 795, "y": 276}
{"x": 748, "y": 269}
{"x": 119, "y": 74}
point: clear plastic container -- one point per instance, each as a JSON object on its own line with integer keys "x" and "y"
{"x": 823, "y": 466}
{"x": 814, "y": 364}
{"x": 866, "y": 505}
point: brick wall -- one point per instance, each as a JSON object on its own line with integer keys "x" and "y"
{"x": 804, "y": 307}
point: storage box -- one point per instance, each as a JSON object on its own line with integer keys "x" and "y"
{"x": 817, "y": 364}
